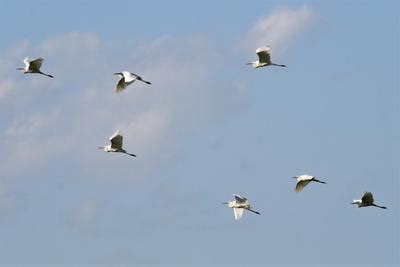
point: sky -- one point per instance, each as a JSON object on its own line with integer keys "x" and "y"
{"x": 209, "y": 126}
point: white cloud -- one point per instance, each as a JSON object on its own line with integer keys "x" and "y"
{"x": 279, "y": 28}
{"x": 78, "y": 110}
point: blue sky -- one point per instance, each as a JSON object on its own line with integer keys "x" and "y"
{"x": 207, "y": 127}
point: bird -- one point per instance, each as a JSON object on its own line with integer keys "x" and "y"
{"x": 366, "y": 201}
{"x": 239, "y": 204}
{"x": 116, "y": 144}
{"x": 304, "y": 180}
{"x": 126, "y": 79}
{"x": 33, "y": 66}
{"x": 264, "y": 58}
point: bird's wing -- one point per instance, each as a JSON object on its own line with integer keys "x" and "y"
{"x": 116, "y": 140}
{"x": 264, "y": 54}
{"x": 26, "y": 62}
{"x": 36, "y": 64}
{"x": 120, "y": 85}
{"x": 300, "y": 185}
{"x": 367, "y": 198}
{"x": 240, "y": 199}
{"x": 238, "y": 213}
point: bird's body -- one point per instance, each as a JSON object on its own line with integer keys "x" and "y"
{"x": 116, "y": 144}
{"x": 238, "y": 205}
{"x": 264, "y": 58}
{"x": 304, "y": 180}
{"x": 33, "y": 66}
{"x": 367, "y": 200}
{"x": 126, "y": 78}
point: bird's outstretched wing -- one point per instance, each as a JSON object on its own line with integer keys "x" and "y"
{"x": 264, "y": 54}
{"x": 240, "y": 199}
{"x": 300, "y": 185}
{"x": 367, "y": 198}
{"x": 36, "y": 64}
{"x": 238, "y": 213}
{"x": 120, "y": 85}
{"x": 26, "y": 62}
{"x": 116, "y": 140}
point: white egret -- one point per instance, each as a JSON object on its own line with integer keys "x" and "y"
{"x": 264, "y": 58}
{"x": 304, "y": 180}
{"x": 238, "y": 205}
{"x": 33, "y": 66}
{"x": 366, "y": 201}
{"x": 126, "y": 79}
{"x": 116, "y": 144}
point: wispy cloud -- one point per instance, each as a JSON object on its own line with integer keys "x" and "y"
{"x": 78, "y": 110}
{"x": 279, "y": 28}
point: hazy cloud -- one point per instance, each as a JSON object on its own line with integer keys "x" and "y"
{"x": 279, "y": 27}
{"x": 78, "y": 110}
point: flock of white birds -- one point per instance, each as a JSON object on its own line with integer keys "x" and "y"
{"x": 240, "y": 203}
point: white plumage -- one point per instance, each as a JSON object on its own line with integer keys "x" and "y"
{"x": 366, "y": 201}
{"x": 304, "y": 180}
{"x": 116, "y": 144}
{"x": 126, "y": 78}
{"x": 33, "y": 66}
{"x": 239, "y": 204}
{"x": 264, "y": 58}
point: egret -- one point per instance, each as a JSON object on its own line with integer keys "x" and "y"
{"x": 264, "y": 58}
{"x": 33, "y": 66}
{"x": 366, "y": 201}
{"x": 116, "y": 144}
{"x": 238, "y": 205}
{"x": 304, "y": 180}
{"x": 126, "y": 79}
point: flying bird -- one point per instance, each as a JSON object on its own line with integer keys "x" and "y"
{"x": 116, "y": 144}
{"x": 264, "y": 58}
{"x": 126, "y": 79}
{"x": 304, "y": 180}
{"x": 239, "y": 204}
{"x": 33, "y": 66}
{"x": 366, "y": 201}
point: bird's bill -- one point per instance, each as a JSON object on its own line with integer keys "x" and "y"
{"x": 19, "y": 68}
{"x": 249, "y": 63}
{"x": 225, "y": 203}
{"x": 295, "y": 177}
{"x": 100, "y": 147}
{"x": 117, "y": 73}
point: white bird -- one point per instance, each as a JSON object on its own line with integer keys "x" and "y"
{"x": 116, "y": 144}
{"x": 304, "y": 180}
{"x": 126, "y": 79}
{"x": 33, "y": 66}
{"x": 238, "y": 205}
{"x": 264, "y": 58}
{"x": 366, "y": 201}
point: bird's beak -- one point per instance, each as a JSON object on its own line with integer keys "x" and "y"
{"x": 100, "y": 147}
{"x": 225, "y": 203}
{"x": 249, "y": 63}
{"x": 117, "y": 73}
{"x": 295, "y": 177}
